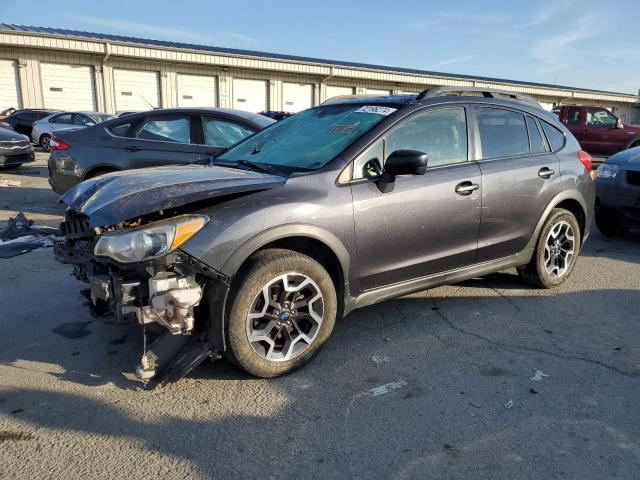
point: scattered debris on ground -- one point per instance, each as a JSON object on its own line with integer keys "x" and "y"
{"x": 387, "y": 388}
{"x": 538, "y": 375}
{"x": 22, "y": 236}
{"x": 10, "y": 183}
{"x": 379, "y": 359}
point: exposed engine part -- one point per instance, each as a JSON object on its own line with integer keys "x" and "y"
{"x": 171, "y": 303}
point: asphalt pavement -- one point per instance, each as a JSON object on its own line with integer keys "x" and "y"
{"x": 485, "y": 379}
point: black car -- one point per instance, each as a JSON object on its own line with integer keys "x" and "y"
{"x": 618, "y": 193}
{"x": 147, "y": 139}
{"x": 22, "y": 120}
{"x": 15, "y": 149}
{"x": 277, "y": 116}
{"x": 332, "y": 209}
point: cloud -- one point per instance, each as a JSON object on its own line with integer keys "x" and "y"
{"x": 157, "y": 31}
{"x": 553, "y": 53}
{"x": 135, "y": 28}
{"x": 449, "y": 61}
{"x": 547, "y": 12}
{"x": 241, "y": 37}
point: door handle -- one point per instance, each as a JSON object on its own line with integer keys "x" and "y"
{"x": 132, "y": 148}
{"x": 465, "y": 188}
{"x": 546, "y": 172}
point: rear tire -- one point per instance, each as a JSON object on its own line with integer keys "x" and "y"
{"x": 45, "y": 140}
{"x": 608, "y": 225}
{"x": 556, "y": 251}
{"x": 282, "y": 308}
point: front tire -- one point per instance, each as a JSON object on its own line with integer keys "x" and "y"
{"x": 282, "y": 309}
{"x": 45, "y": 141}
{"x": 556, "y": 251}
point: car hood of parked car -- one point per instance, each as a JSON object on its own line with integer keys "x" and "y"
{"x": 7, "y": 135}
{"x": 121, "y": 196}
{"x": 630, "y": 159}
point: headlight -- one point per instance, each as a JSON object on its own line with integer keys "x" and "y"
{"x": 69, "y": 166}
{"x": 607, "y": 170}
{"x": 150, "y": 241}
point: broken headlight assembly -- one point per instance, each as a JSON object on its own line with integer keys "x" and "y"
{"x": 150, "y": 241}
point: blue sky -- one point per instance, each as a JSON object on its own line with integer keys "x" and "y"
{"x": 591, "y": 44}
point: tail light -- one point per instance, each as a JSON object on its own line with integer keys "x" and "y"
{"x": 57, "y": 144}
{"x": 586, "y": 159}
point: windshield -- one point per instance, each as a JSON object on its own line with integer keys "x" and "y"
{"x": 310, "y": 139}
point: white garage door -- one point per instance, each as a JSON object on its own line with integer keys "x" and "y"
{"x": 9, "y": 85}
{"x": 136, "y": 89}
{"x": 250, "y": 95}
{"x": 375, "y": 91}
{"x": 196, "y": 91}
{"x": 297, "y": 96}
{"x": 335, "y": 91}
{"x": 68, "y": 87}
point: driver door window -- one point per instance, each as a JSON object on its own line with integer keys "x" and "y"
{"x": 79, "y": 119}
{"x": 440, "y": 133}
{"x": 599, "y": 117}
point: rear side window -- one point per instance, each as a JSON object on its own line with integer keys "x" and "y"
{"x": 121, "y": 130}
{"x": 503, "y": 133}
{"x": 535, "y": 137}
{"x": 166, "y": 129}
{"x": 573, "y": 115}
{"x": 222, "y": 133}
{"x": 554, "y": 136}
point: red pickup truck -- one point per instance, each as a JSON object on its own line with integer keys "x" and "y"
{"x": 598, "y": 130}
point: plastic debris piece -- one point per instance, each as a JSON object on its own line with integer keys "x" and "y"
{"x": 538, "y": 375}
{"x": 10, "y": 183}
{"x": 379, "y": 359}
{"x": 387, "y": 388}
{"x": 508, "y": 405}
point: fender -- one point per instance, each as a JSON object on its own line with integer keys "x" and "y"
{"x": 217, "y": 298}
{"x": 255, "y": 243}
{"x": 633, "y": 140}
{"x": 555, "y": 201}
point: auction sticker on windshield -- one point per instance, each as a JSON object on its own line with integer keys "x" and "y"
{"x": 376, "y": 109}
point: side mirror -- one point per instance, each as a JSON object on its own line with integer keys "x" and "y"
{"x": 619, "y": 123}
{"x": 402, "y": 162}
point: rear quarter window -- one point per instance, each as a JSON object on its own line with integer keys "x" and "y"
{"x": 554, "y": 136}
{"x": 121, "y": 130}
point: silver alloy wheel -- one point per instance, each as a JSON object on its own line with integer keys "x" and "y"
{"x": 45, "y": 143}
{"x": 285, "y": 317}
{"x": 559, "y": 249}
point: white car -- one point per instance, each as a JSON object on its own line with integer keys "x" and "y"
{"x": 46, "y": 127}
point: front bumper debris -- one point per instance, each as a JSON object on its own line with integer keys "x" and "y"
{"x": 167, "y": 291}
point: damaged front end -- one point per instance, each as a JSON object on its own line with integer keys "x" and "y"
{"x": 136, "y": 270}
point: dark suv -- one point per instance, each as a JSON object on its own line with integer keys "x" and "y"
{"x": 335, "y": 208}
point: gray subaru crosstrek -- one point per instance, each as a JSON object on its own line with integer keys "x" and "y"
{"x": 356, "y": 201}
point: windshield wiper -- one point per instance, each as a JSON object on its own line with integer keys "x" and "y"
{"x": 263, "y": 167}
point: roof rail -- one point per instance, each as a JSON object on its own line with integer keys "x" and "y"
{"x": 486, "y": 92}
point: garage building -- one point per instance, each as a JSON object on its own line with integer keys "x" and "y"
{"x": 72, "y": 70}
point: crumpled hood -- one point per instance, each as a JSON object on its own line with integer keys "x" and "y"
{"x": 120, "y": 196}
{"x": 627, "y": 159}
